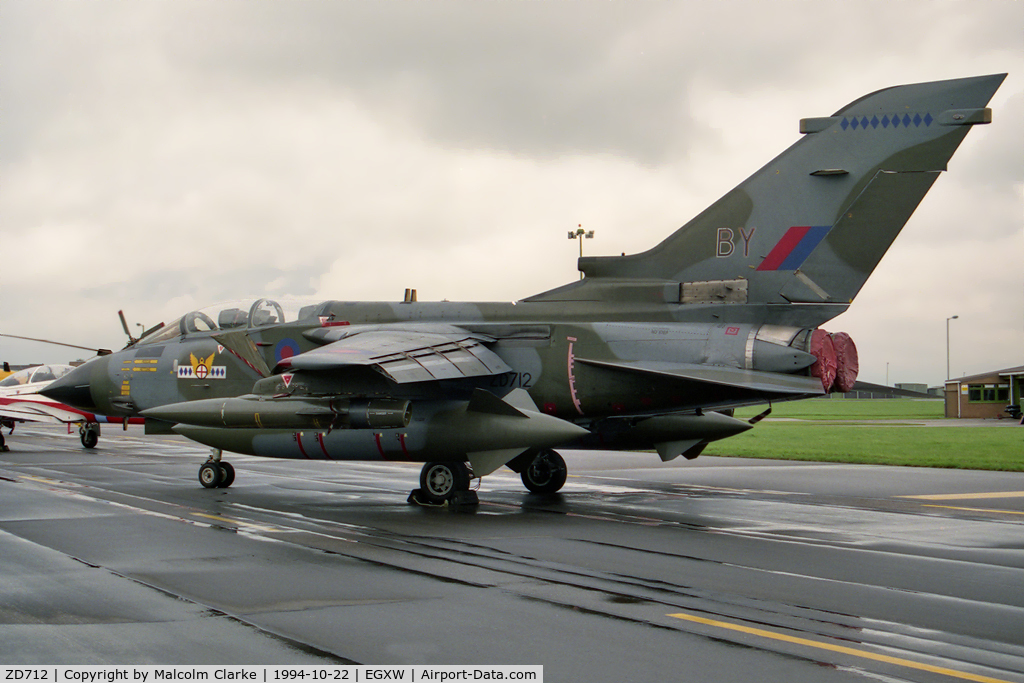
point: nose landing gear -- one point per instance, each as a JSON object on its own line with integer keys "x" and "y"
{"x": 216, "y": 473}
{"x": 89, "y": 433}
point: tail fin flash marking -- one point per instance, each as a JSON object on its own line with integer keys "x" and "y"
{"x": 796, "y": 245}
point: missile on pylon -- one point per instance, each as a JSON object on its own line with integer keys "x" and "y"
{"x": 287, "y": 413}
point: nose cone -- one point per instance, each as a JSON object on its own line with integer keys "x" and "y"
{"x": 73, "y": 389}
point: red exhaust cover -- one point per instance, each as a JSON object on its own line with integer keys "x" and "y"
{"x": 847, "y": 364}
{"x": 824, "y": 350}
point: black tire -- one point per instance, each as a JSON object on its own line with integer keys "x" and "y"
{"x": 90, "y": 438}
{"x": 227, "y": 475}
{"x": 439, "y": 481}
{"x": 210, "y": 474}
{"x": 546, "y": 474}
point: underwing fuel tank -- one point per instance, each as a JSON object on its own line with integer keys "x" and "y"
{"x": 670, "y": 435}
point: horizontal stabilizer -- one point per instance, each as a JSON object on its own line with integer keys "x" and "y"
{"x": 770, "y": 382}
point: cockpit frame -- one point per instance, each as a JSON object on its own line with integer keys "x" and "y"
{"x": 236, "y": 315}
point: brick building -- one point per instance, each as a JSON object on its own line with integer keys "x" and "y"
{"x": 985, "y": 395}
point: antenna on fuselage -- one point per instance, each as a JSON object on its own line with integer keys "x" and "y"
{"x": 132, "y": 340}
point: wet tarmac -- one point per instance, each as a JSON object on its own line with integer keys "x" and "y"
{"x": 718, "y": 569}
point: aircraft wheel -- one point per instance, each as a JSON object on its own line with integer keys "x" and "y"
{"x": 227, "y": 475}
{"x": 546, "y": 474}
{"x": 210, "y": 474}
{"x": 89, "y": 437}
{"x": 439, "y": 481}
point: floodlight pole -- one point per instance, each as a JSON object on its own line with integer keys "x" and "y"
{"x": 954, "y": 317}
{"x": 578, "y": 234}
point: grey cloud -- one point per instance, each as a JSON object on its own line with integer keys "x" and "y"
{"x": 208, "y": 286}
{"x": 538, "y": 79}
{"x": 997, "y": 156}
{"x": 530, "y": 78}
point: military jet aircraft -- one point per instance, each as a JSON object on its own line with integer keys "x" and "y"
{"x": 646, "y": 351}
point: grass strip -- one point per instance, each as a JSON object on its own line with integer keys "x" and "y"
{"x": 987, "y": 448}
{"x": 853, "y": 409}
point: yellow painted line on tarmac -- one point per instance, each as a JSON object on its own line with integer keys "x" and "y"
{"x": 39, "y": 479}
{"x": 864, "y": 654}
{"x": 50, "y": 482}
{"x": 998, "y": 512}
{"x": 968, "y": 496}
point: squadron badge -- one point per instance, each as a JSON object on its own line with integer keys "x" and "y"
{"x": 201, "y": 368}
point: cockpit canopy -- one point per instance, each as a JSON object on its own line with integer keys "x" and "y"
{"x": 40, "y": 373}
{"x": 237, "y": 315}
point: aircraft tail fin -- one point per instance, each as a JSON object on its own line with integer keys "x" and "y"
{"x": 811, "y": 225}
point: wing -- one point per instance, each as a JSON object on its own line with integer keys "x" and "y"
{"x": 404, "y": 354}
{"x": 36, "y": 408}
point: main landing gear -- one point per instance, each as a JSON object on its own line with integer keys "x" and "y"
{"x": 546, "y": 473}
{"x": 216, "y": 473}
{"x": 447, "y": 483}
{"x": 444, "y": 483}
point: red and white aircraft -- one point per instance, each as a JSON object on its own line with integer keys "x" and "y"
{"x": 20, "y": 401}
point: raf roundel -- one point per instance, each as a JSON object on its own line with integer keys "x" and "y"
{"x": 286, "y": 348}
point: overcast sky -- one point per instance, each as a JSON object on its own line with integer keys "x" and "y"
{"x": 158, "y": 157}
